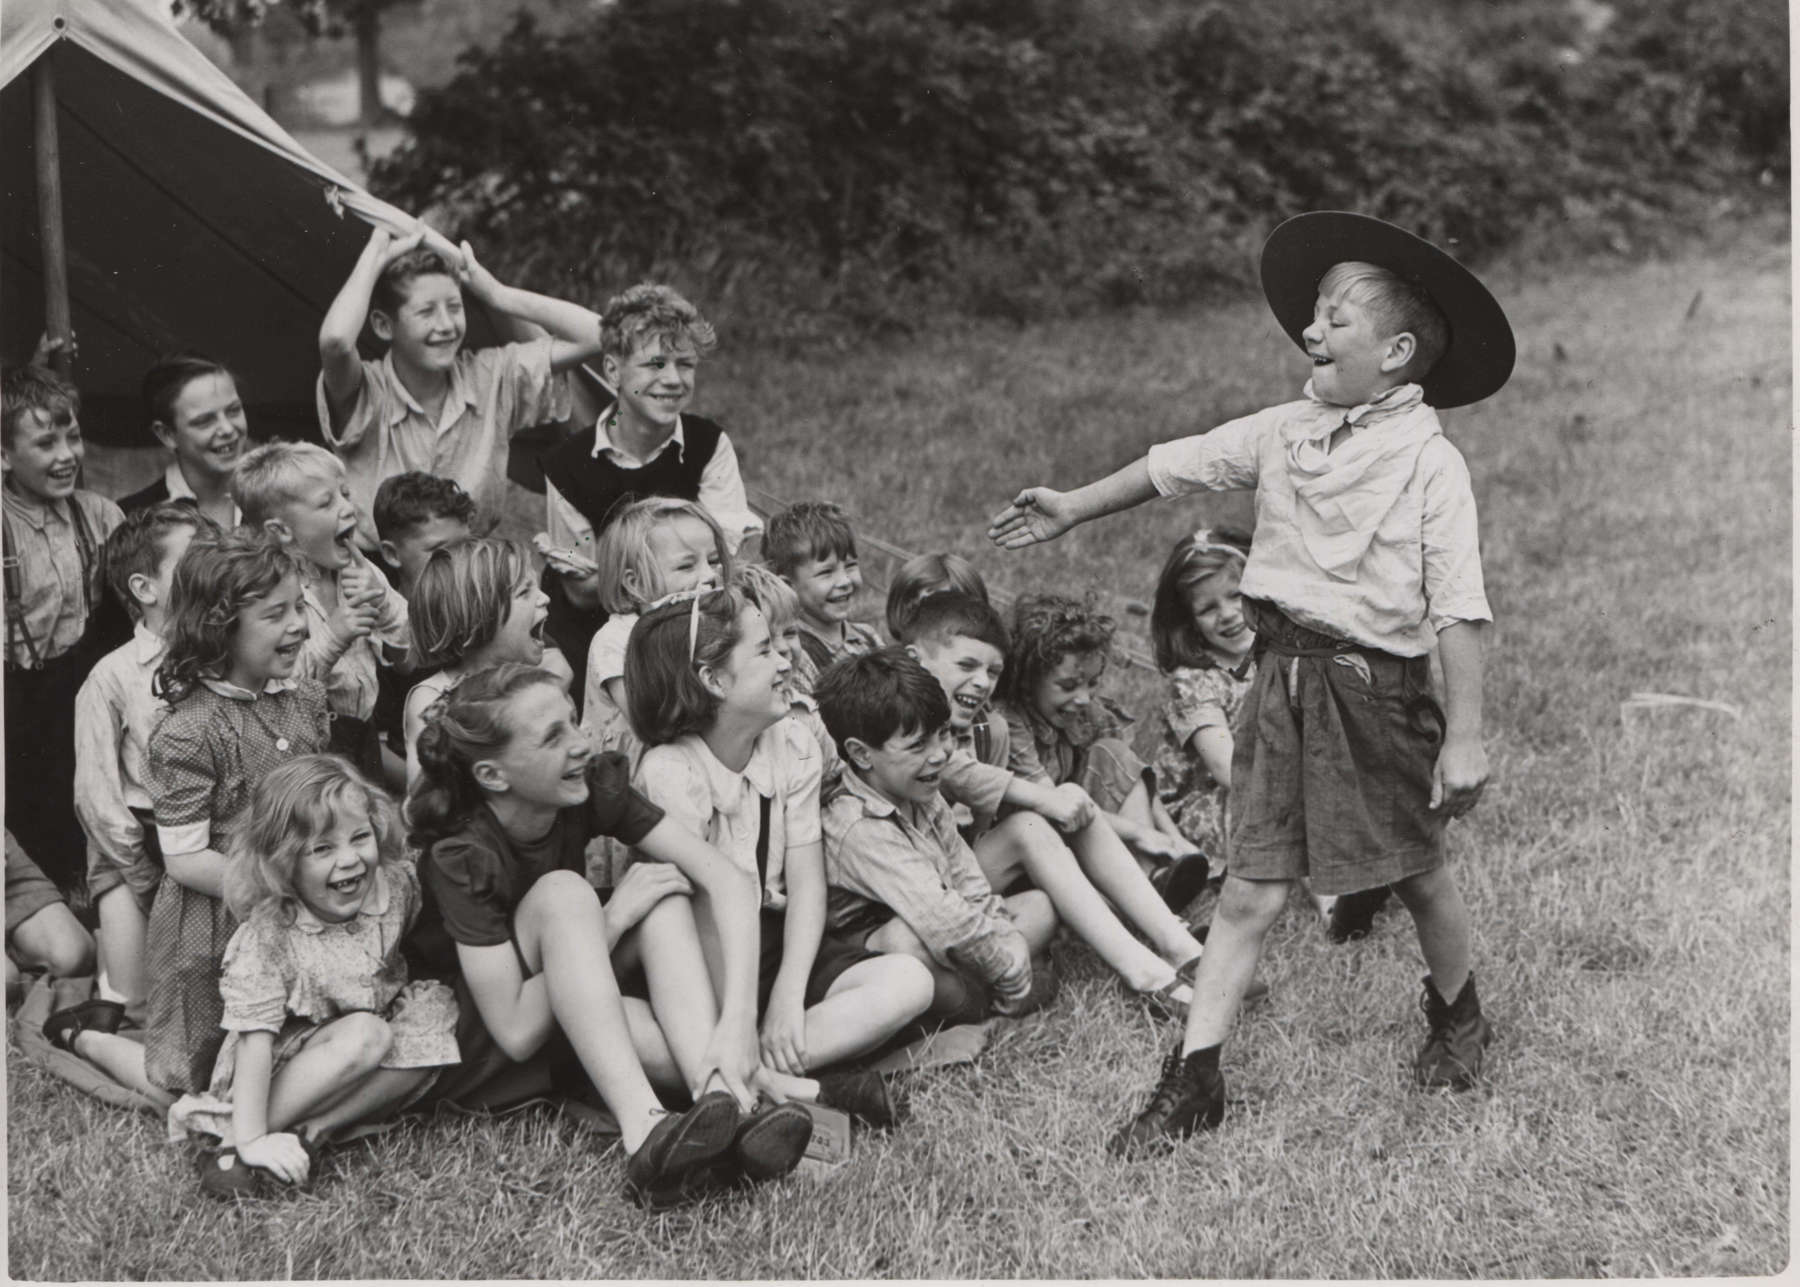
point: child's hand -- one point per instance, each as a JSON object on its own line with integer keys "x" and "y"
{"x": 48, "y": 345}
{"x": 784, "y": 1035}
{"x": 349, "y": 621}
{"x": 1070, "y": 808}
{"x": 279, "y": 1153}
{"x": 732, "y": 1057}
{"x": 1036, "y": 514}
{"x": 480, "y": 282}
{"x": 1460, "y": 774}
{"x": 644, "y": 885}
{"x": 390, "y": 247}
{"x": 360, "y": 583}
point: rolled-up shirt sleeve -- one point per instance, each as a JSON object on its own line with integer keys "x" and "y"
{"x": 1450, "y": 539}
{"x": 1222, "y": 459}
{"x": 722, "y": 495}
{"x": 113, "y": 831}
{"x": 182, "y": 775}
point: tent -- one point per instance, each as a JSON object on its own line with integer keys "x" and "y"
{"x": 191, "y": 219}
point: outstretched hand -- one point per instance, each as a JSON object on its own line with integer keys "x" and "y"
{"x": 1036, "y": 514}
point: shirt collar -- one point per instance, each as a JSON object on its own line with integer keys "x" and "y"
{"x": 34, "y": 510}
{"x": 874, "y": 804}
{"x": 237, "y": 694}
{"x": 375, "y": 903}
{"x": 727, "y": 784}
{"x": 176, "y": 484}
{"x": 1402, "y": 397}
{"x": 603, "y": 443}
{"x": 146, "y": 644}
{"x": 404, "y": 404}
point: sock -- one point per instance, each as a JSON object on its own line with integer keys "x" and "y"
{"x": 1206, "y": 1058}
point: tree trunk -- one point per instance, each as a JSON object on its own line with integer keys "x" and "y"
{"x": 368, "y": 62}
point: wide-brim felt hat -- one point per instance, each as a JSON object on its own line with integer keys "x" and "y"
{"x": 1479, "y": 357}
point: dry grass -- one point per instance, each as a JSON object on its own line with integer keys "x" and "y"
{"x": 1631, "y": 890}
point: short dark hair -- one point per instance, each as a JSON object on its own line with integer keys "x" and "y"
{"x": 807, "y": 530}
{"x": 35, "y": 388}
{"x": 947, "y": 615}
{"x": 879, "y": 694}
{"x": 164, "y": 382}
{"x": 1045, "y": 629}
{"x": 390, "y": 288}
{"x": 927, "y": 574}
{"x": 664, "y": 698}
{"x": 403, "y": 501}
{"x": 136, "y": 545}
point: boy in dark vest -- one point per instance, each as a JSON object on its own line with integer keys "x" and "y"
{"x": 643, "y": 445}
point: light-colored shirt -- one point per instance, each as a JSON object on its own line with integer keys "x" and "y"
{"x": 57, "y": 592}
{"x": 114, "y": 712}
{"x": 494, "y": 393}
{"x": 604, "y": 719}
{"x": 915, "y": 862}
{"x": 1421, "y": 568}
{"x": 176, "y": 484}
{"x": 721, "y": 491}
{"x": 975, "y": 778}
{"x": 689, "y": 783}
{"x": 351, "y": 682}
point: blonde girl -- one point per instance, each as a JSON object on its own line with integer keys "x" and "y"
{"x": 710, "y": 698}
{"x": 323, "y": 1030}
{"x": 652, "y": 548}
{"x": 476, "y": 604}
{"x": 510, "y": 792}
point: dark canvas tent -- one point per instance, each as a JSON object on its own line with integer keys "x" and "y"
{"x": 192, "y": 219}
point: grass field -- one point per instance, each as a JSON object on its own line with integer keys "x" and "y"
{"x": 1630, "y": 883}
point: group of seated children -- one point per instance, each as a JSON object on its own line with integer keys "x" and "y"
{"x": 678, "y": 833}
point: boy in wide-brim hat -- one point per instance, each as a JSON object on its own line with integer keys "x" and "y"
{"x": 1366, "y": 555}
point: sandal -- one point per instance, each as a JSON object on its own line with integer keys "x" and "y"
{"x": 92, "y": 1015}
{"x": 223, "y": 1175}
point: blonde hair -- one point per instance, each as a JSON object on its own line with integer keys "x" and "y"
{"x": 773, "y": 597}
{"x": 463, "y": 597}
{"x": 624, "y": 545}
{"x": 292, "y": 805}
{"x": 1395, "y": 305}
{"x": 269, "y": 476}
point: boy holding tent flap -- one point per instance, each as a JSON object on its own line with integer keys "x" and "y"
{"x": 429, "y": 404}
{"x": 1366, "y": 553}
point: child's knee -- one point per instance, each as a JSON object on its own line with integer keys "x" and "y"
{"x": 1035, "y": 915}
{"x": 55, "y": 940}
{"x": 1252, "y": 902}
{"x": 896, "y": 936}
{"x": 907, "y": 983}
{"x": 558, "y": 894}
{"x": 364, "y": 1039}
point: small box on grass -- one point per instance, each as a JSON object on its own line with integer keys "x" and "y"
{"x": 830, "y": 1146}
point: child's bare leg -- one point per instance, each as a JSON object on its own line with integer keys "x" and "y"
{"x": 121, "y": 943}
{"x": 122, "y": 1059}
{"x": 951, "y": 993}
{"x": 1025, "y": 842}
{"x": 1115, "y": 873}
{"x": 54, "y": 939}
{"x": 333, "y": 1062}
{"x": 560, "y": 925}
{"x": 369, "y": 1100}
{"x": 1247, "y": 909}
{"x": 867, "y": 1004}
{"x": 1442, "y": 921}
{"x": 681, "y": 992}
{"x": 1035, "y": 916}
{"x": 652, "y": 1046}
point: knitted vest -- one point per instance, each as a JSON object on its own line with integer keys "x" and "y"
{"x": 599, "y": 488}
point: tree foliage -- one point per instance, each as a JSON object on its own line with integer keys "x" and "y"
{"x": 1019, "y": 156}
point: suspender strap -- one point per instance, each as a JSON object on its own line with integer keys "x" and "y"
{"x": 984, "y": 740}
{"x": 15, "y": 604}
{"x": 762, "y": 843}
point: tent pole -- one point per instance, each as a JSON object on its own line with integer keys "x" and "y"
{"x": 50, "y": 212}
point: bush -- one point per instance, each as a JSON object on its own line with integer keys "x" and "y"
{"x": 842, "y": 159}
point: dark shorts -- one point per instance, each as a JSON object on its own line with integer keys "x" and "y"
{"x": 837, "y": 953}
{"x": 1331, "y": 776}
{"x": 104, "y": 876}
{"x": 488, "y": 1078}
{"x": 28, "y": 890}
